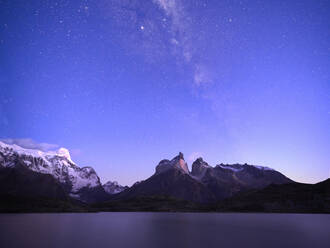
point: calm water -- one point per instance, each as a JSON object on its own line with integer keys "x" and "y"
{"x": 157, "y": 230}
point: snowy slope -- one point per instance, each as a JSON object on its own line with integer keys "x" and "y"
{"x": 56, "y": 163}
{"x": 113, "y": 187}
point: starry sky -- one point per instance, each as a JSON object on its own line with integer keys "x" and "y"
{"x": 125, "y": 83}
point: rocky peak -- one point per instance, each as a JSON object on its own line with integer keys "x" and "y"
{"x": 177, "y": 162}
{"x": 199, "y": 161}
{"x": 113, "y": 187}
{"x": 180, "y": 156}
{"x": 199, "y": 167}
{"x": 180, "y": 163}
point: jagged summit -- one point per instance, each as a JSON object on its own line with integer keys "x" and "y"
{"x": 199, "y": 167}
{"x": 113, "y": 187}
{"x": 64, "y": 153}
{"x": 180, "y": 156}
{"x": 199, "y": 160}
{"x": 77, "y": 181}
{"x": 15, "y": 149}
{"x": 177, "y": 162}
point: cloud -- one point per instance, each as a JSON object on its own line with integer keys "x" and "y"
{"x": 202, "y": 75}
{"x": 30, "y": 144}
{"x": 193, "y": 156}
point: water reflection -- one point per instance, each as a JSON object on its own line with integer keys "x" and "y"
{"x": 164, "y": 230}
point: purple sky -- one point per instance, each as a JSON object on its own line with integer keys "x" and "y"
{"x": 124, "y": 84}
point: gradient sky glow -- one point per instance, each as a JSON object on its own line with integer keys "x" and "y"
{"x": 126, "y": 83}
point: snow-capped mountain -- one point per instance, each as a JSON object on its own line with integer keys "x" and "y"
{"x": 171, "y": 178}
{"x": 113, "y": 187}
{"x": 80, "y": 183}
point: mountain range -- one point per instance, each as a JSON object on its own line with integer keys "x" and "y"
{"x": 33, "y": 180}
{"x": 204, "y": 184}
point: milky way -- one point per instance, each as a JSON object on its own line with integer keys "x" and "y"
{"x": 125, "y": 83}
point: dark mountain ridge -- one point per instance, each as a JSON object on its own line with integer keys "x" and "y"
{"x": 32, "y": 180}
{"x": 292, "y": 197}
{"x": 205, "y": 183}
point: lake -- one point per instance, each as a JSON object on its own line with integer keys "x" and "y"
{"x": 157, "y": 230}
